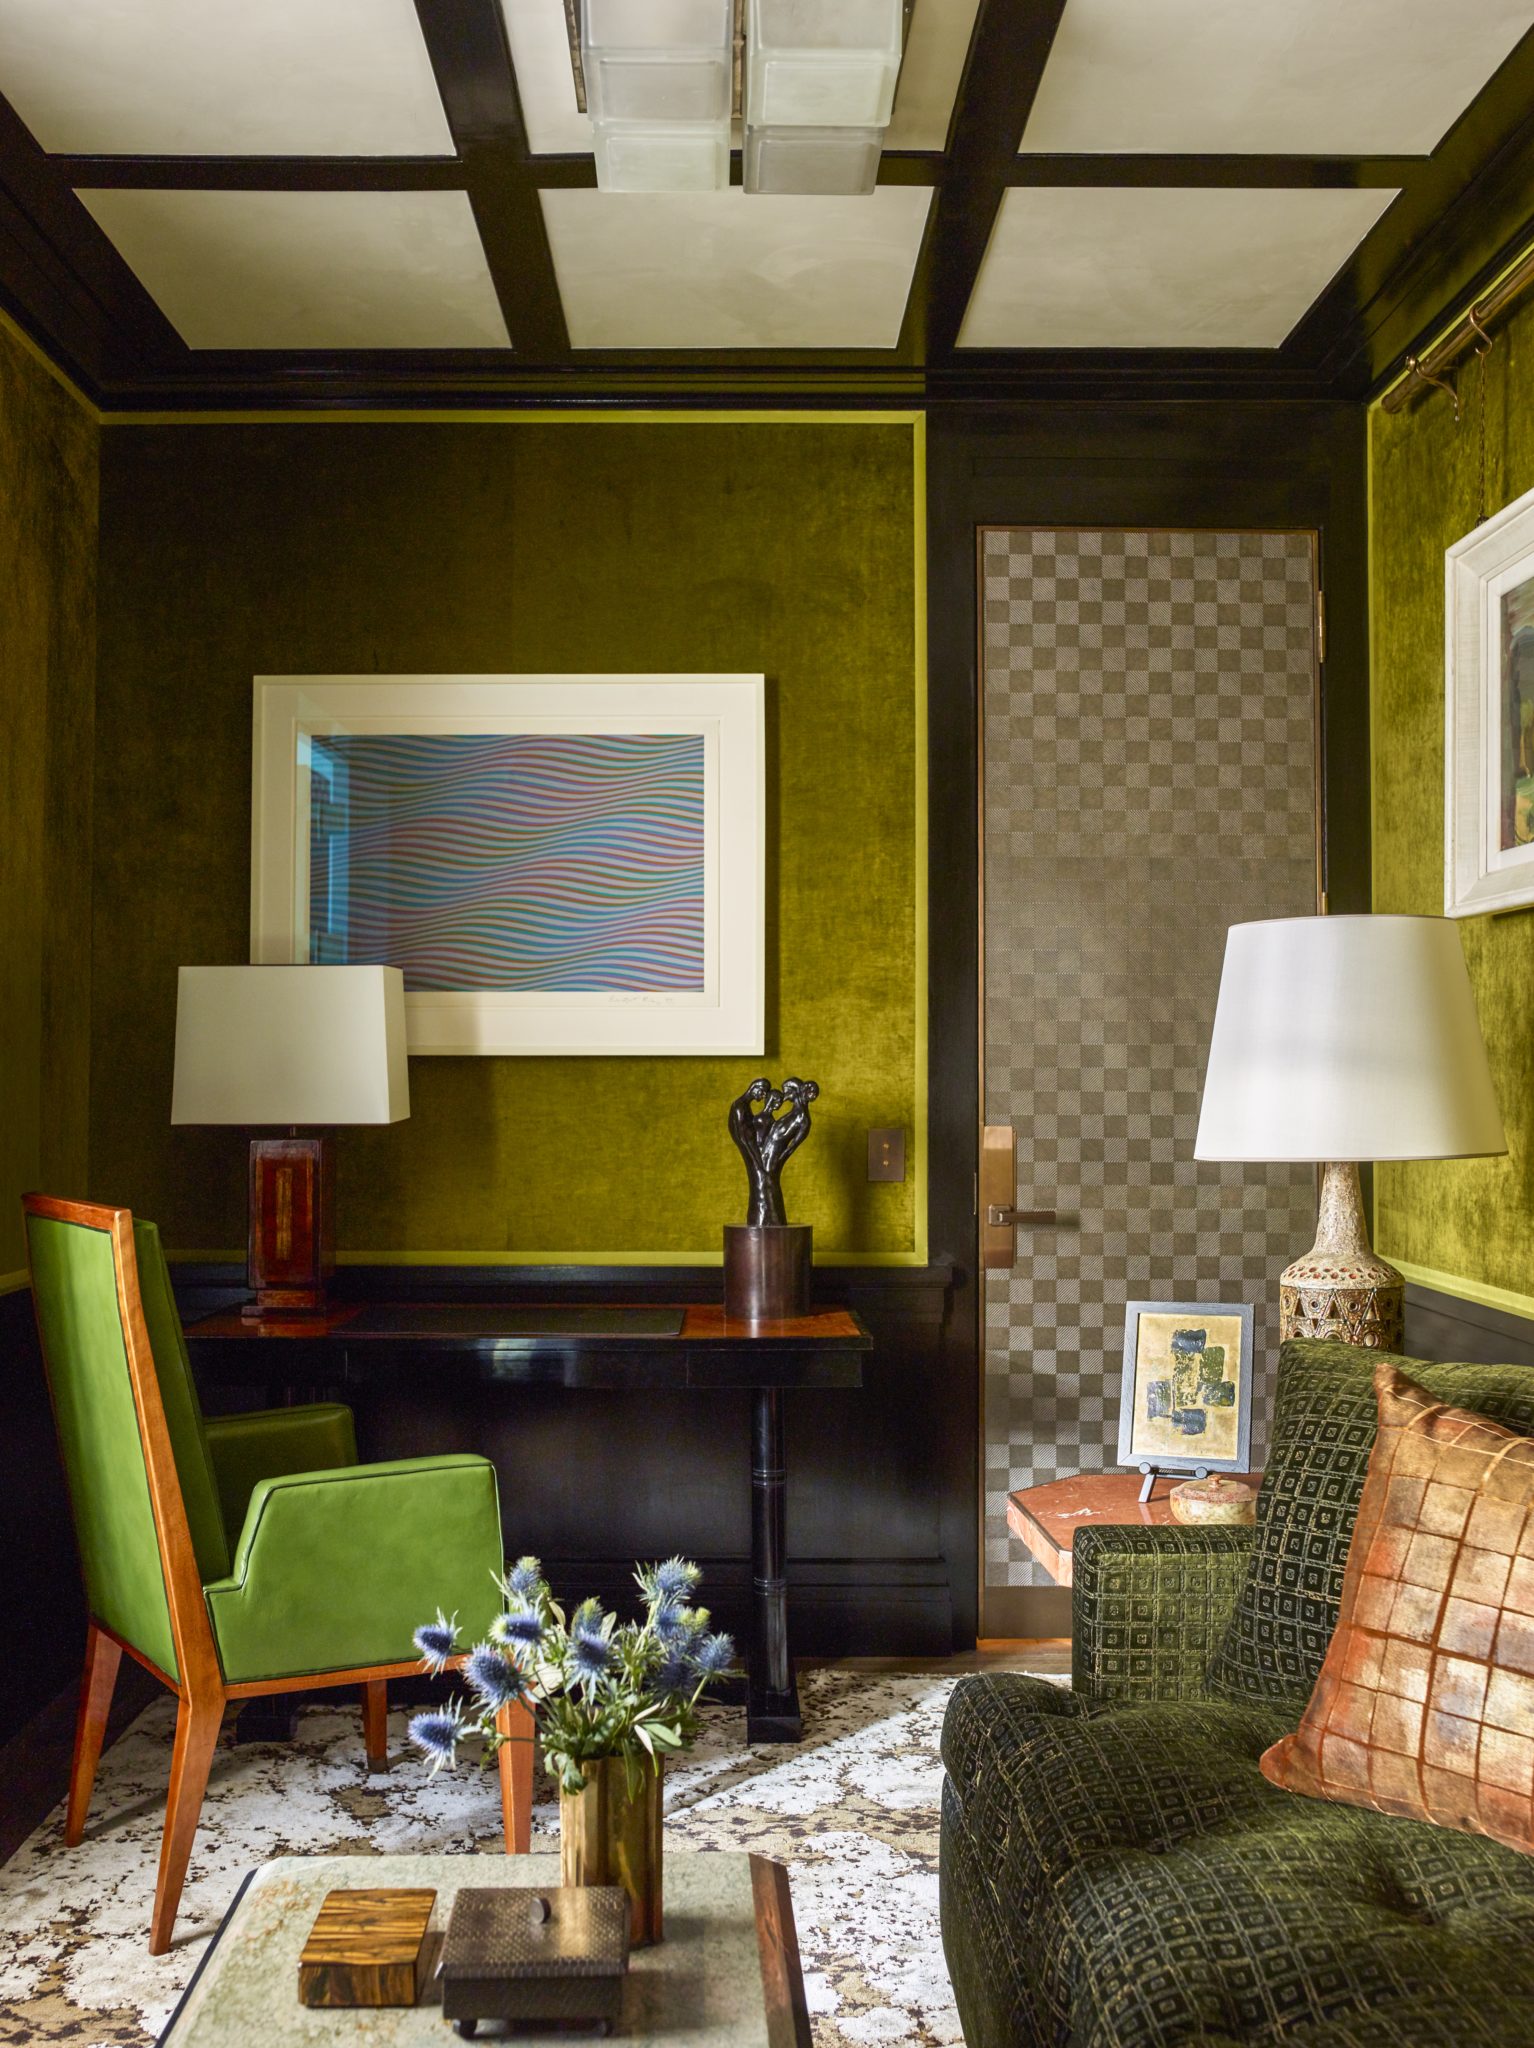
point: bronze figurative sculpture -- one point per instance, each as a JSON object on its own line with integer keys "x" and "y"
{"x": 767, "y": 1258}
{"x": 766, "y": 1135}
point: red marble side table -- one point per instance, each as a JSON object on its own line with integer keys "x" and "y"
{"x": 1046, "y": 1518}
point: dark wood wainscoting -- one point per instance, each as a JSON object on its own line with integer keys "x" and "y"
{"x": 44, "y": 1603}
{"x": 1444, "y": 1327}
{"x": 592, "y": 1481}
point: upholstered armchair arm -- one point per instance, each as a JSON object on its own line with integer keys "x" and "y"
{"x": 336, "y": 1570}
{"x": 1149, "y": 1607}
{"x": 248, "y": 1448}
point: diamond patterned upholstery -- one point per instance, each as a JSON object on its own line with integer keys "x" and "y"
{"x": 1117, "y": 1872}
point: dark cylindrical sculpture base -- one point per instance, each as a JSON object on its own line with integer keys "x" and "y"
{"x": 767, "y": 1271}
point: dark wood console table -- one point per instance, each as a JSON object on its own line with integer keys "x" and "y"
{"x": 659, "y": 1346}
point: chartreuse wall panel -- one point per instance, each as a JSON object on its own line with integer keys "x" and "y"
{"x": 788, "y": 546}
{"x": 1465, "y": 1225}
{"x": 48, "y": 502}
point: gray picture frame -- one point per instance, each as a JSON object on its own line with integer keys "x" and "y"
{"x": 1137, "y": 1419}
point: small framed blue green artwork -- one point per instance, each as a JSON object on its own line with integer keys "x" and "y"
{"x": 1186, "y": 1400}
{"x": 557, "y": 864}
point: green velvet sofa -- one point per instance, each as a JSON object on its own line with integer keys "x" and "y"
{"x": 1117, "y": 1873}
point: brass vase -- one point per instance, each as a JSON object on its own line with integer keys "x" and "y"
{"x": 609, "y": 1834}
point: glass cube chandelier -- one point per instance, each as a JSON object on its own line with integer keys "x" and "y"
{"x": 662, "y": 79}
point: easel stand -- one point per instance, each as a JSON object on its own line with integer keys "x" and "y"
{"x": 1151, "y": 1473}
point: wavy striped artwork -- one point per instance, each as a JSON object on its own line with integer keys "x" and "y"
{"x": 566, "y": 862}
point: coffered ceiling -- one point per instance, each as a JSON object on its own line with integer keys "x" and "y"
{"x": 216, "y": 202}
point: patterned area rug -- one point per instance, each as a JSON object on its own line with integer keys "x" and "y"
{"x": 852, "y": 1811}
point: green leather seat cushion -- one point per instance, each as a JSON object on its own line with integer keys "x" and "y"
{"x": 1129, "y": 1877}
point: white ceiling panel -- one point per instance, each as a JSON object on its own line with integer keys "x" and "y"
{"x": 724, "y": 270}
{"x": 540, "y": 55}
{"x": 929, "y": 76}
{"x": 1304, "y": 78}
{"x": 222, "y": 77}
{"x": 309, "y": 270}
{"x": 1104, "y": 267}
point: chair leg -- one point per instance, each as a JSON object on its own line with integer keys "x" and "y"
{"x": 102, "y": 1658}
{"x": 514, "y": 1759}
{"x": 375, "y": 1722}
{"x": 197, "y": 1726}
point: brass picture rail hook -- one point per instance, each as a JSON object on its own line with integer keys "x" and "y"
{"x": 1485, "y": 343}
{"x": 1415, "y": 369}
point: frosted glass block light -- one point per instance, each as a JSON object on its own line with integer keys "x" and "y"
{"x": 842, "y": 160}
{"x": 822, "y": 63}
{"x": 662, "y": 156}
{"x": 658, "y": 89}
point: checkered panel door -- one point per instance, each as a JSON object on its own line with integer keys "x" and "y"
{"x": 1149, "y": 730}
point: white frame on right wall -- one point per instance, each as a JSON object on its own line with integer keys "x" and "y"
{"x": 1481, "y": 872}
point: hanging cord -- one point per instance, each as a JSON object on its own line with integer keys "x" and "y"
{"x": 1483, "y": 348}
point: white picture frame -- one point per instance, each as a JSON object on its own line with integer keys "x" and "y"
{"x": 1489, "y": 579}
{"x": 722, "y": 1013}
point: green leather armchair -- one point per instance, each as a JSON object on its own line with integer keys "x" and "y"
{"x": 242, "y": 1556}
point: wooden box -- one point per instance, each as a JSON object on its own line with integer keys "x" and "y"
{"x": 366, "y": 1948}
{"x": 515, "y": 1954}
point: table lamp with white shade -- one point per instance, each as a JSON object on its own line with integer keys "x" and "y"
{"x": 301, "y": 1047}
{"x": 1340, "y": 1039}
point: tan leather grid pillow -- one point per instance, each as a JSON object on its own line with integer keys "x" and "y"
{"x": 1425, "y": 1703}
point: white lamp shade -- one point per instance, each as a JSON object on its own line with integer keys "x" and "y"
{"x": 290, "y": 1045}
{"x": 1347, "y": 1038}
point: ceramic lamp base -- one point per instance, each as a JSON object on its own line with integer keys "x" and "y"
{"x": 1340, "y": 1289}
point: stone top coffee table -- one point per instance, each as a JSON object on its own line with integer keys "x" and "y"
{"x": 726, "y": 1975}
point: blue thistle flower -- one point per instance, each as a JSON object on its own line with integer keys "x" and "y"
{"x": 587, "y": 1616}
{"x": 713, "y": 1656}
{"x": 669, "y": 1618}
{"x": 590, "y": 1654}
{"x": 497, "y": 1682}
{"x": 518, "y": 1631}
{"x": 675, "y": 1674}
{"x": 525, "y": 1580}
{"x": 438, "y": 1733}
{"x": 436, "y": 1641}
{"x": 676, "y": 1579}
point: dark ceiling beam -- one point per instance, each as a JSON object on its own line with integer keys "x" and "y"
{"x": 1007, "y": 55}
{"x": 1473, "y": 192}
{"x": 1238, "y": 173}
{"x": 260, "y": 173}
{"x": 466, "y": 40}
{"x": 107, "y": 314}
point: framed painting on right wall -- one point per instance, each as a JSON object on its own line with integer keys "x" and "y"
{"x": 1489, "y": 715}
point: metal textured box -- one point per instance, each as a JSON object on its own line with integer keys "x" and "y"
{"x": 366, "y": 1948}
{"x": 512, "y": 1953}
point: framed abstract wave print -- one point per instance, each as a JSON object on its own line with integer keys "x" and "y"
{"x": 558, "y": 864}
{"x": 1186, "y": 1400}
{"x": 1489, "y": 781}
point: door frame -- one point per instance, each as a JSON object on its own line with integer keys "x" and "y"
{"x": 1269, "y": 466}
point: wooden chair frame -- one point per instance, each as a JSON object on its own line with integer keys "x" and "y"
{"x": 202, "y": 1692}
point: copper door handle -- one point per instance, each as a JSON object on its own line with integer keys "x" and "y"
{"x": 1000, "y": 1218}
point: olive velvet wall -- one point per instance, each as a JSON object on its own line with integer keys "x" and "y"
{"x": 1463, "y": 1226}
{"x": 48, "y": 523}
{"x": 790, "y": 547}
{"x": 48, "y": 444}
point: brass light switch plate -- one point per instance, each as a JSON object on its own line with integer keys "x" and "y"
{"x": 886, "y": 1154}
